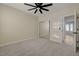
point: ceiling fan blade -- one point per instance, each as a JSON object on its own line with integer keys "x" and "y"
{"x": 40, "y": 4}
{"x": 47, "y": 5}
{"x": 40, "y": 11}
{"x": 31, "y": 9}
{"x": 29, "y": 5}
{"x": 36, "y": 4}
{"x": 35, "y": 11}
{"x": 44, "y": 9}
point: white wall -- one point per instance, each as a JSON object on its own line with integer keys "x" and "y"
{"x": 56, "y": 19}
{"x": 0, "y": 23}
{"x": 16, "y": 25}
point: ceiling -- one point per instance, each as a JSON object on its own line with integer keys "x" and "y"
{"x": 55, "y": 7}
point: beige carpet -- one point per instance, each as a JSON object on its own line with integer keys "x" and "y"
{"x": 41, "y": 47}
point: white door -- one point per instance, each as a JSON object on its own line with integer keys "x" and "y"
{"x": 77, "y": 30}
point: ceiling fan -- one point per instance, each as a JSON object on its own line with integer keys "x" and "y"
{"x": 39, "y": 6}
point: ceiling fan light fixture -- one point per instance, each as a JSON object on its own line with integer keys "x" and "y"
{"x": 39, "y": 6}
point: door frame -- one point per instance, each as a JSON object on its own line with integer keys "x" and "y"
{"x": 64, "y": 23}
{"x": 49, "y": 27}
{"x": 75, "y": 27}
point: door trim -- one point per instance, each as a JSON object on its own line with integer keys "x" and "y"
{"x": 49, "y": 28}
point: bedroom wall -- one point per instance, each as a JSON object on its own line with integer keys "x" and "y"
{"x": 0, "y": 23}
{"x": 56, "y": 18}
{"x": 16, "y": 25}
{"x": 56, "y": 34}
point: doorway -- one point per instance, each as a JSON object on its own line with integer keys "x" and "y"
{"x": 71, "y": 31}
{"x": 44, "y": 29}
{"x": 68, "y": 30}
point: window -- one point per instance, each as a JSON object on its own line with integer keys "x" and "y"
{"x": 69, "y": 26}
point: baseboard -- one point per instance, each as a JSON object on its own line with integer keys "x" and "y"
{"x": 9, "y": 43}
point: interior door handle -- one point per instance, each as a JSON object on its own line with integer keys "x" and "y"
{"x": 74, "y": 32}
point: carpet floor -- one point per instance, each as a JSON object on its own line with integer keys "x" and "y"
{"x": 39, "y": 47}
